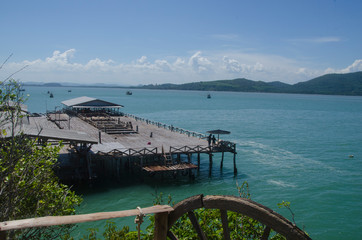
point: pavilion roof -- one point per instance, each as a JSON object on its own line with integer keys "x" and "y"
{"x": 89, "y": 102}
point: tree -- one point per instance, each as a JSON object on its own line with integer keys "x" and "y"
{"x": 28, "y": 186}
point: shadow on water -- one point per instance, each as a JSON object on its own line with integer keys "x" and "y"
{"x": 163, "y": 180}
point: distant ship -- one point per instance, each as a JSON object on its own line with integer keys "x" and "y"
{"x": 129, "y": 93}
{"x": 209, "y": 95}
{"x": 51, "y": 95}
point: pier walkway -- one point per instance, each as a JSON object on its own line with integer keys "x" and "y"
{"x": 133, "y": 141}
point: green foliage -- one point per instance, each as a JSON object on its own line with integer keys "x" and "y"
{"x": 241, "y": 227}
{"x": 28, "y": 186}
{"x": 287, "y": 206}
{"x": 111, "y": 232}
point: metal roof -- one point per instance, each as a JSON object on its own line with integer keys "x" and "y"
{"x": 58, "y": 134}
{"x": 88, "y": 102}
{"x": 76, "y": 101}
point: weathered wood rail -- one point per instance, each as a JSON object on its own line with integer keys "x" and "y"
{"x": 166, "y": 216}
{"x": 130, "y": 152}
{"x": 160, "y": 211}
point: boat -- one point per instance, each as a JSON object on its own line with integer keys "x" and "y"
{"x": 209, "y": 95}
{"x": 129, "y": 93}
{"x": 51, "y": 95}
{"x": 69, "y": 90}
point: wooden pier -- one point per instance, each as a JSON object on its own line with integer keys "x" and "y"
{"x": 119, "y": 142}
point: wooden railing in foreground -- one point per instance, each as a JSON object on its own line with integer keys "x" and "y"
{"x": 166, "y": 217}
{"x": 160, "y": 211}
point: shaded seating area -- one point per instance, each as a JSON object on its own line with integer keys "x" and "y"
{"x": 92, "y": 105}
{"x": 100, "y": 114}
{"x": 108, "y": 124}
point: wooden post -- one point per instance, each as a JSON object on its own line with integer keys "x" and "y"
{"x": 222, "y": 160}
{"x": 100, "y": 136}
{"x": 210, "y": 163}
{"x": 198, "y": 161}
{"x": 189, "y": 157}
{"x": 129, "y": 164}
{"x": 235, "y": 169}
{"x": 160, "y": 232}
{"x": 88, "y": 160}
{"x": 3, "y": 235}
{"x": 120, "y": 166}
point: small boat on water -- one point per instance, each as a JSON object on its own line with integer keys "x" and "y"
{"x": 69, "y": 90}
{"x": 209, "y": 95}
{"x": 129, "y": 93}
{"x": 51, "y": 95}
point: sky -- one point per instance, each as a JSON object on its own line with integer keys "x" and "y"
{"x": 133, "y": 42}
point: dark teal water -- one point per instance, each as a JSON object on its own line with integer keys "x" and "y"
{"x": 290, "y": 147}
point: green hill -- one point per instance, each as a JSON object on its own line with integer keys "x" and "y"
{"x": 331, "y": 84}
{"x": 336, "y": 84}
{"x": 236, "y": 85}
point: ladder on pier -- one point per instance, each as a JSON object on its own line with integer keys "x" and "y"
{"x": 168, "y": 159}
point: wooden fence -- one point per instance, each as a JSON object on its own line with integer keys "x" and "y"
{"x": 161, "y": 212}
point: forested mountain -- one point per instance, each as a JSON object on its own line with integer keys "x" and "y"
{"x": 331, "y": 84}
{"x": 338, "y": 84}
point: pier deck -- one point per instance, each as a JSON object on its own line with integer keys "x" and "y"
{"x": 133, "y": 142}
{"x": 161, "y": 137}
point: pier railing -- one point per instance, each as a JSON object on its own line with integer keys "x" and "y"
{"x": 189, "y": 149}
{"x": 160, "y": 231}
{"x": 130, "y": 152}
{"x": 166, "y": 126}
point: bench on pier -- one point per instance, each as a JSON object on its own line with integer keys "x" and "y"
{"x": 119, "y": 131}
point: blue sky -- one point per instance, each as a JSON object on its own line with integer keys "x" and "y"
{"x": 141, "y": 42}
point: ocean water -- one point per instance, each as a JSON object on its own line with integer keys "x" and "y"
{"x": 290, "y": 147}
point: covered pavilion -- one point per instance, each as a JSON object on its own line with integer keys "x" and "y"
{"x": 88, "y": 104}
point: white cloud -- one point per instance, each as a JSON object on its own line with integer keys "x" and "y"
{"x": 258, "y": 67}
{"x": 200, "y": 63}
{"x": 98, "y": 64}
{"x": 354, "y": 67}
{"x": 325, "y": 39}
{"x": 225, "y": 37}
{"x": 61, "y": 58}
{"x": 232, "y": 65}
{"x": 142, "y": 60}
{"x": 63, "y": 67}
{"x": 162, "y": 65}
{"x": 317, "y": 39}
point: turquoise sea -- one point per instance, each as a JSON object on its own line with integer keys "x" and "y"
{"x": 290, "y": 147}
